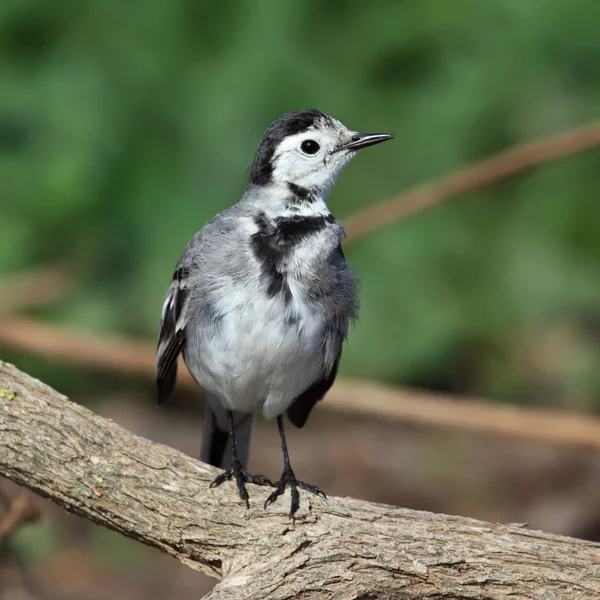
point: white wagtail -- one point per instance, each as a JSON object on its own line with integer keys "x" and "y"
{"x": 262, "y": 296}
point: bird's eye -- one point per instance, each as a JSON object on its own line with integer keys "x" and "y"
{"x": 309, "y": 147}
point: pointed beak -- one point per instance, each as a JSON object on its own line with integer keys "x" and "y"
{"x": 362, "y": 140}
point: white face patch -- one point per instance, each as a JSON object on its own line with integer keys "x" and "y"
{"x": 296, "y": 161}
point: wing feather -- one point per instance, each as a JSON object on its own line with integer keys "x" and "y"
{"x": 171, "y": 336}
{"x": 299, "y": 411}
{"x": 302, "y": 406}
{"x": 175, "y": 313}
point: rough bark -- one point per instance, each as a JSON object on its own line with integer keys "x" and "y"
{"x": 336, "y": 549}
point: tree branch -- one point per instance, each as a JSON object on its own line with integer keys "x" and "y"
{"x": 341, "y": 548}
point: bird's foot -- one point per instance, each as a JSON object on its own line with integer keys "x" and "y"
{"x": 288, "y": 479}
{"x": 236, "y": 472}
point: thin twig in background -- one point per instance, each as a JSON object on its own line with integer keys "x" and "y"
{"x": 353, "y": 397}
{"x": 34, "y": 288}
{"x": 480, "y": 175}
{"x": 16, "y": 512}
{"x": 108, "y": 354}
{"x": 20, "y": 510}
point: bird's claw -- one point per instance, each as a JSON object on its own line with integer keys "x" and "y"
{"x": 288, "y": 479}
{"x": 241, "y": 477}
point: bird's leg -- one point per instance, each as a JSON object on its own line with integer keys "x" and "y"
{"x": 289, "y": 479}
{"x": 236, "y": 470}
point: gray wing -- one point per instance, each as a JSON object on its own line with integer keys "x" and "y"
{"x": 343, "y": 309}
{"x": 172, "y": 333}
{"x": 185, "y": 286}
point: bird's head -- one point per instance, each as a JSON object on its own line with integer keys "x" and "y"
{"x": 307, "y": 149}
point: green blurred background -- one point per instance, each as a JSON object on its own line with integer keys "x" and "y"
{"x": 124, "y": 126}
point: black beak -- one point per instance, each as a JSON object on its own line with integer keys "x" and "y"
{"x": 362, "y": 140}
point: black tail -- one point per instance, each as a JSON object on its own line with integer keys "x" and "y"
{"x": 216, "y": 439}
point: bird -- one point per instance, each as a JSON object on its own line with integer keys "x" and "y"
{"x": 262, "y": 298}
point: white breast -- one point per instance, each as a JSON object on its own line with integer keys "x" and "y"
{"x": 263, "y": 353}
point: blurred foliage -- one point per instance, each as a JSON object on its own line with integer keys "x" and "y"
{"x": 125, "y": 125}
{"x": 36, "y": 543}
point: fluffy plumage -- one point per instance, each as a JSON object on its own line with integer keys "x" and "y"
{"x": 262, "y": 296}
